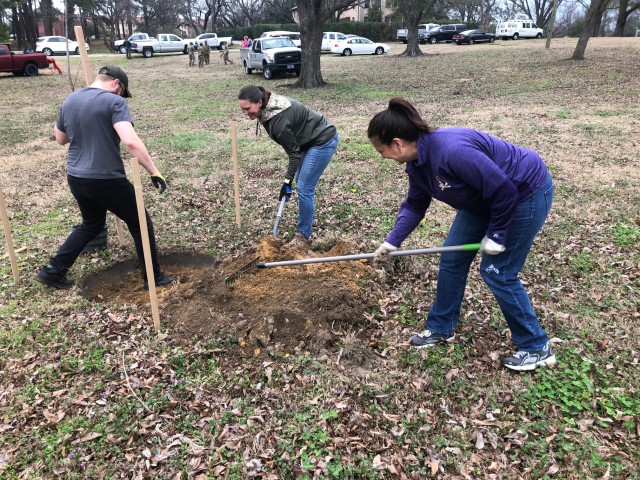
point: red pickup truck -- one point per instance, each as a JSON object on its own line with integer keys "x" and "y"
{"x": 21, "y": 63}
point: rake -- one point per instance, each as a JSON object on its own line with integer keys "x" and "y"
{"x": 255, "y": 263}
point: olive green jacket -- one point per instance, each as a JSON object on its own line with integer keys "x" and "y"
{"x": 295, "y": 127}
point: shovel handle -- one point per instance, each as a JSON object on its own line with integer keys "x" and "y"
{"x": 278, "y": 217}
{"x": 364, "y": 256}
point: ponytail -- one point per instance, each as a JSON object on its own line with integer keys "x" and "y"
{"x": 399, "y": 120}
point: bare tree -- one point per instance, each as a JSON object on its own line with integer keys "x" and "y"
{"x": 539, "y": 10}
{"x": 592, "y": 17}
{"x": 313, "y": 14}
{"x": 625, "y": 9}
{"x": 413, "y": 11}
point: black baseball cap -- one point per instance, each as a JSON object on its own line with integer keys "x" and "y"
{"x": 117, "y": 73}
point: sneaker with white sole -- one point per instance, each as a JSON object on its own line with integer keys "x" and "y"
{"x": 522, "y": 360}
{"x": 427, "y": 338}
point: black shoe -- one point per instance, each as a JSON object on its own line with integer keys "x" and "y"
{"x": 161, "y": 281}
{"x": 50, "y": 276}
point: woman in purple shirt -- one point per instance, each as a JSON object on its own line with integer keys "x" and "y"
{"x": 503, "y": 194}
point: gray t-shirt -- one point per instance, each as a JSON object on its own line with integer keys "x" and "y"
{"x": 87, "y": 117}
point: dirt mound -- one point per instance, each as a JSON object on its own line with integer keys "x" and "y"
{"x": 281, "y": 309}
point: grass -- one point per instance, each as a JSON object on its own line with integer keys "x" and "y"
{"x": 371, "y": 406}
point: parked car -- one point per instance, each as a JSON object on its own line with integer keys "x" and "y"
{"x": 329, "y": 39}
{"x": 359, "y": 46}
{"x": 474, "y": 36}
{"x": 443, "y": 33}
{"x": 294, "y": 36}
{"x": 52, "y": 45}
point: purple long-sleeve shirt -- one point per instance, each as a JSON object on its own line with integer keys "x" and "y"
{"x": 469, "y": 170}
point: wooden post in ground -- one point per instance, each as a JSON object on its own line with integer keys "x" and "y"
{"x": 88, "y": 79}
{"x": 7, "y": 235}
{"x": 146, "y": 247}
{"x": 236, "y": 180}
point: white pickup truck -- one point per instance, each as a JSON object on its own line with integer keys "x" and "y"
{"x": 212, "y": 39}
{"x": 118, "y": 44}
{"x": 271, "y": 55}
{"x": 164, "y": 43}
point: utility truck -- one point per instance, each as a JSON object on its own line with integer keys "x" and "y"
{"x": 271, "y": 55}
{"x": 164, "y": 43}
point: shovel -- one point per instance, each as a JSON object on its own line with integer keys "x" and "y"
{"x": 279, "y": 216}
{"x": 255, "y": 263}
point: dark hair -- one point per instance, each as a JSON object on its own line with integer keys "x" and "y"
{"x": 399, "y": 120}
{"x": 254, "y": 94}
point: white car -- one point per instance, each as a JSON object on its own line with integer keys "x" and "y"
{"x": 358, "y": 46}
{"x": 52, "y": 45}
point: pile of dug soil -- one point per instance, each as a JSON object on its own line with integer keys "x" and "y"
{"x": 281, "y": 309}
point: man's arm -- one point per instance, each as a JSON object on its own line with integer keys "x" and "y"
{"x": 61, "y": 137}
{"x": 135, "y": 146}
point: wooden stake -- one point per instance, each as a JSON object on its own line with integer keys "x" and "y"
{"x": 88, "y": 79}
{"x": 18, "y": 250}
{"x": 146, "y": 247}
{"x": 236, "y": 180}
{"x": 8, "y": 238}
{"x": 82, "y": 46}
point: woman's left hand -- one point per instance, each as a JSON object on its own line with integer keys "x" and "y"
{"x": 489, "y": 246}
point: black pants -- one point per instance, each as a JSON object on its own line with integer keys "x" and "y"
{"x": 94, "y": 198}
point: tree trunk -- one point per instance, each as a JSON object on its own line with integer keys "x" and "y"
{"x": 47, "y": 16}
{"x": 551, "y": 24}
{"x": 71, "y": 8}
{"x": 623, "y": 15}
{"x": 311, "y": 32}
{"x": 595, "y": 11}
{"x": 311, "y": 26}
{"x": 412, "y": 19}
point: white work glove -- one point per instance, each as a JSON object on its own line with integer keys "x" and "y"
{"x": 382, "y": 253}
{"x": 489, "y": 246}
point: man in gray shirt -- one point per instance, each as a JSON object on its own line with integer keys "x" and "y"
{"x": 93, "y": 121}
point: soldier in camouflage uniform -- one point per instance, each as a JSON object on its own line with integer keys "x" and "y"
{"x": 200, "y": 55}
{"x": 207, "y": 50}
{"x": 225, "y": 54}
{"x": 192, "y": 54}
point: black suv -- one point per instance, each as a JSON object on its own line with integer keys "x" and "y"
{"x": 445, "y": 33}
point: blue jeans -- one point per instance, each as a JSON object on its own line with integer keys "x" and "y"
{"x": 312, "y": 164}
{"x": 500, "y": 272}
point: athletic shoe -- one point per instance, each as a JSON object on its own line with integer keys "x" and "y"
{"x": 161, "y": 281}
{"x": 52, "y": 277}
{"x": 427, "y": 339}
{"x": 530, "y": 360}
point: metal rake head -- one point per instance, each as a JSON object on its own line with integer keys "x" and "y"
{"x": 249, "y": 266}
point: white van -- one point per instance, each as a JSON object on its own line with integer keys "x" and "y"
{"x": 329, "y": 38}
{"x": 295, "y": 36}
{"x": 518, "y": 28}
